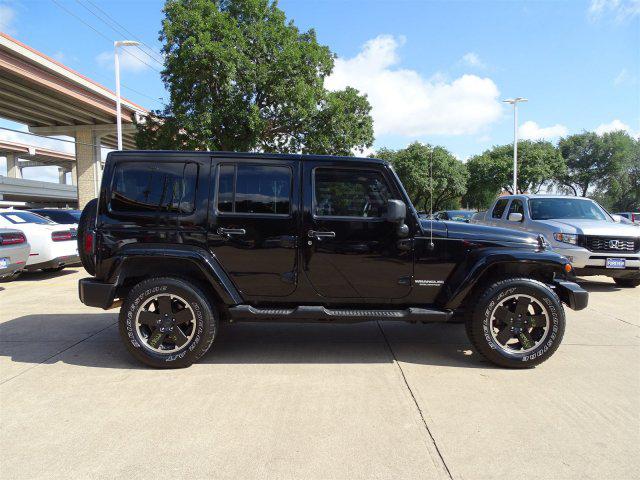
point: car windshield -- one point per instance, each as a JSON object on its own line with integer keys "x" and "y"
{"x": 25, "y": 217}
{"x": 460, "y": 214}
{"x": 61, "y": 216}
{"x": 560, "y": 208}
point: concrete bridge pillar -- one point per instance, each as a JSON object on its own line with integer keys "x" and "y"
{"x": 87, "y": 164}
{"x": 62, "y": 176}
{"x": 13, "y": 169}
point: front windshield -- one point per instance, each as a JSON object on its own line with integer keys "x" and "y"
{"x": 565, "y": 208}
{"x": 18, "y": 217}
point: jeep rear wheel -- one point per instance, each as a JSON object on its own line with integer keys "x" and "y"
{"x": 167, "y": 322}
{"x": 517, "y": 323}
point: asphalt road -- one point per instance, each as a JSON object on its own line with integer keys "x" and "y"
{"x": 309, "y": 401}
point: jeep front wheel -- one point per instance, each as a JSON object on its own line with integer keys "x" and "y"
{"x": 167, "y": 322}
{"x": 517, "y": 323}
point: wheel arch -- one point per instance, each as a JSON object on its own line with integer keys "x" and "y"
{"x": 137, "y": 264}
{"x": 484, "y": 269}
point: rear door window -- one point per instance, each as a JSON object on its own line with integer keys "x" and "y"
{"x": 498, "y": 210}
{"x": 154, "y": 187}
{"x": 249, "y": 189}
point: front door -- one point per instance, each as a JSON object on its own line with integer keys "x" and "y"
{"x": 349, "y": 249}
{"x": 253, "y": 223}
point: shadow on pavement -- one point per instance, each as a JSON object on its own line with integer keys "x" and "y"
{"x": 40, "y": 275}
{"x": 596, "y": 286}
{"x": 92, "y": 340}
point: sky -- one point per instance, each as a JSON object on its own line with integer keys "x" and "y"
{"x": 434, "y": 71}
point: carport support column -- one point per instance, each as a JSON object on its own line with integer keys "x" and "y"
{"x": 13, "y": 170}
{"x": 87, "y": 164}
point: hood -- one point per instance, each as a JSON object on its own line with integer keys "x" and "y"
{"x": 472, "y": 231}
{"x": 592, "y": 227}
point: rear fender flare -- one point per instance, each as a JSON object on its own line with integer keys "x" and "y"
{"x": 133, "y": 257}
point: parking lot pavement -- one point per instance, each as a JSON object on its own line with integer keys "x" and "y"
{"x": 312, "y": 401}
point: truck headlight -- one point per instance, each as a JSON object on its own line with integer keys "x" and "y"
{"x": 571, "y": 238}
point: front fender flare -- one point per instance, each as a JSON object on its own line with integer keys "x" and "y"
{"x": 468, "y": 273}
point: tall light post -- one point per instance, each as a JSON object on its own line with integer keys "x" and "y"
{"x": 514, "y": 102}
{"x": 116, "y": 44}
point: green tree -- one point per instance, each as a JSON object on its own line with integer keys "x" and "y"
{"x": 593, "y": 161}
{"x": 241, "y": 77}
{"x": 412, "y": 166}
{"x": 621, "y": 193}
{"x": 539, "y": 163}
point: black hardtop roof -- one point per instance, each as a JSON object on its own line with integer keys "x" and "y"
{"x": 167, "y": 154}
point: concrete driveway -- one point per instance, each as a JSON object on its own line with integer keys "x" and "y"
{"x": 313, "y": 401}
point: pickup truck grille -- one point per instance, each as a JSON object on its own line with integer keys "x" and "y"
{"x": 611, "y": 244}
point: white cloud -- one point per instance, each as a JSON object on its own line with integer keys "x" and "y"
{"x": 405, "y": 103}
{"x": 7, "y": 17}
{"x": 624, "y": 78}
{"x": 131, "y": 59}
{"x": 532, "y": 131}
{"x": 615, "y": 126}
{"x": 471, "y": 59}
{"x": 620, "y": 10}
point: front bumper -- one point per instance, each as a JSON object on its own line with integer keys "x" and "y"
{"x": 94, "y": 293}
{"x": 583, "y": 259}
{"x": 571, "y": 294}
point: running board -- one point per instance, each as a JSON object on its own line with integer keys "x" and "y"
{"x": 247, "y": 313}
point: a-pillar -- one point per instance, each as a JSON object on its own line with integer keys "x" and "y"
{"x": 13, "y": 170}
{"x": 88, "y": 169}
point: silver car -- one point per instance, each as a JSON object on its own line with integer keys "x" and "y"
{"x": 14, "y": 253}
{"x": 593, "y": 241}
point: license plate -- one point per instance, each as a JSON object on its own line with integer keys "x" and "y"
{"x": 615, "y": 263}
{"x": 4, "y": 262}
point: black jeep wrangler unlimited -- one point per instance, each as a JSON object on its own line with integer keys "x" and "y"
{"x": 185, "y": 240}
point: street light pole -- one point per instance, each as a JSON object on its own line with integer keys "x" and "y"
{"x": 514, "y": 102}
{"x": 116, "y": 59}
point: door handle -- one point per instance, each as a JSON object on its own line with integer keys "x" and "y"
{"x": 320, "y": 235}
{"x": 231, "y": 231}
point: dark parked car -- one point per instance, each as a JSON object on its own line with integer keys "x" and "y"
{"x": 454, "y": 215}
{"x": 63, "y": 216}
{"x": 183, "y": 241}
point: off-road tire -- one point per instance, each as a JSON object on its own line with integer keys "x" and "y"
{"x": 86, "y": 224}
{"x": 479, "y": 318}
{"x": 205, "y": 330}
{"x": 627, "y": 282}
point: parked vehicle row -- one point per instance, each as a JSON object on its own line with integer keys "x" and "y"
{"x": 32, "y": 242}
{"x": 595, "y": 242}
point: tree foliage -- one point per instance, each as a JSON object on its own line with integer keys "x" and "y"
{"x": 621, "y": 191}
{"x": 241, "y": 77}
{"x": 412, "y": 166}
{"x": 592, "y": 160}
{"x": 491, "y": 172}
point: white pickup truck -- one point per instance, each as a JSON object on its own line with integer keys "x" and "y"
{"x": 578, "y": 228}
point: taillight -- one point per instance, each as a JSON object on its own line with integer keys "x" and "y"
{"x": 12, "y": 238}
{"x": 61, "y": 236}
{"x": 88, "y": 243}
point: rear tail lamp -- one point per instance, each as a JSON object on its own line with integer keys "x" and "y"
{"x": 12, "y": 238}
{"x": 61, "y": 236}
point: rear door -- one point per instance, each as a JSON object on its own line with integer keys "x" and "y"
{"x": 253, "y": 222}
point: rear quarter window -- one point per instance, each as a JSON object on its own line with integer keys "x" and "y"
{"x": 154, "y": 187}
{"x": 498, "y": 210}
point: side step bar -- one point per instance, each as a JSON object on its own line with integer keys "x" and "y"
{"x": 247, "y": 313}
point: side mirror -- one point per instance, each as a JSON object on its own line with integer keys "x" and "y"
{"x": 515, "y": 217}
{"x": 616, "y": 218}
{"x": 396, "y": 211}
